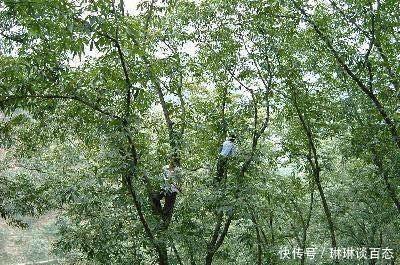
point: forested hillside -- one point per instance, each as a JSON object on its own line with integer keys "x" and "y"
{"x": 202, "y": 132}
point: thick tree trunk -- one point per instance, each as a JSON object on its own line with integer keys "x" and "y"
{"x": 162, "y": 254}
{"x": 209, "y": 257}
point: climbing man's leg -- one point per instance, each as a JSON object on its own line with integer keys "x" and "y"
{"x": 221, "y": 168}
{"x": 156, "y": 198}
{"x": 170, "y": 199}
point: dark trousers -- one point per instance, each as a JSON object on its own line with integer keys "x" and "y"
{"x": 222, "y": 168}
{"x": 166, "y": 211}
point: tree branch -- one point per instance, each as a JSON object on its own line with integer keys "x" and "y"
{"x": 391, "y": 126}
{"x": 49, "y": 96}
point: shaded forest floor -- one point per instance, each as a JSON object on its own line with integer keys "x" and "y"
{"x": 27, "y": 246}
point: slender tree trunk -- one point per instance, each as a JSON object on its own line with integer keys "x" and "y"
{"x": 271, "y": 221}
{"x": 377, "y": 160}
{"x": 315, "y": 168}
{"x": 191, "y": 255}
{"x": 218, "y": 238}
{"x": 390, "y": 124}
{"x": 306, "y": 225}
{"x": 259, "y": 247}
{"x": 259, "y": 239}
{"x": 178, "y": 257}
{"x": 391, "y": 190}
{"x": 326, "y": 210}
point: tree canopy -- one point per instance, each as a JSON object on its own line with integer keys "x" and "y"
{"x": 97, "y": 97}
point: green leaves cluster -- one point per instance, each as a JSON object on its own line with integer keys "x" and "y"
{"x": 96, "y": 99}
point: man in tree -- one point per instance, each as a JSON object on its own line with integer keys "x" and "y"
{"x": 228, "y": 149}
{"x": 169, "y": 190}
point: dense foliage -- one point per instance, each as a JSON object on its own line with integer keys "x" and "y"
{"x": 96, "y": 98}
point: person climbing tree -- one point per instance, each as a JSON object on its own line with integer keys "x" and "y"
{"x": 228, "y": 149}
{"x": 169, "y": 190}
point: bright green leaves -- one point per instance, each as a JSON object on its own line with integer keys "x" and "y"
{"x": 221, "y": 67}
